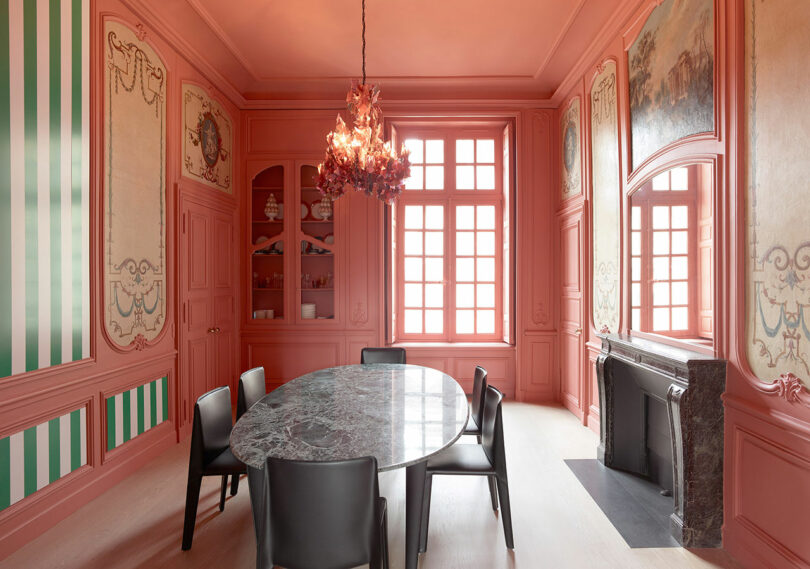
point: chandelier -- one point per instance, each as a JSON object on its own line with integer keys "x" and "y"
{"x": 357, "y": 158}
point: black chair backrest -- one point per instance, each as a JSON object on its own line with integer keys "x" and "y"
{"x": 212, "y": 423}
{"x": 251, "y": 389}
{"x": 322, "y": 514}
{"x": 492, "y": 429}
{"x": 382, "y": 356}
{"x": 479, "y": 390}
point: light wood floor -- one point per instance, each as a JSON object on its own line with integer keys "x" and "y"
{"x": 556, "y": 523}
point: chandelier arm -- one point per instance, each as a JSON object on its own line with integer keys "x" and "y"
{"x": 364, "y": 42}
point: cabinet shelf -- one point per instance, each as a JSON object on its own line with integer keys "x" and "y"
{"x": 268, "y": 289}
{"x": 316, "y": 289}
{"x": 317, "y": 254}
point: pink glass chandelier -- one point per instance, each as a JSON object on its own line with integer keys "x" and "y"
{"x": 357, "y": 158}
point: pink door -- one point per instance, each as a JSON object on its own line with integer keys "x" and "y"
{"x": 571, "y": 312}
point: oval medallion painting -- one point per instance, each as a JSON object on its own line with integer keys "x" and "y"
{"x": 570, "y": 146}
{"x": 210, "y": 141}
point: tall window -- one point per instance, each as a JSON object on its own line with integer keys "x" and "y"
{"x": 664, "y": 277}
{"x": 448, "y": 237}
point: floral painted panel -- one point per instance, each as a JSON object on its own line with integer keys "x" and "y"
{"x": 778, "y": 234}
{"x": 571, "y": 156}
{"x": 135, "y": 188}
{"x": 207, "y": 139}
{"x": 606, "y": 200}
{"x": 671, "y": 66}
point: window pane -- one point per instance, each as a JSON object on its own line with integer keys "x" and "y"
{"x": 413, "y": 295}
{"x": 465, "y": 217}
{"x": 413, "y": 321}
{"x": 635, "y": 217}
{"x": 635, "y": 243}
{"x": 465, "y": 151}
{"x": 680, "y": 318}
{"x": 486, "y": 151}
{"x": 660, "y": 217}
{"x": 636, "y": 318}
{"x": 413, "y": 242}
{"x": 486, "y": 242}
{"x": 434, "y": 177}
{"x": 465, "y": 295}
{"x": 465, "y": 322}
{"x": 661, "y": 182}
{"x": 660, "y": 242}
{"x": 660, "y": 294}
{"x": 413, "y": 268}
{"x": 434, "y": 269}
{"x": 434, "y": 321}
{"x": 413, "y": 217}
{"x": 660, "y": 318}
{"x": 486, "y": 322}
{"x": 486, "y": 269}
{"x": 680, "y": 217}
{"x": 465, "y": 243}
{"x": 635, "y": 265}
{"x": 680, "y": 268}
{"x": 415, "y": 182}
{"x": 486, "y": 217}
{"x": 486, "y": 296}
{"x": 465, "y": 269}
{"x": 635, "y": 294}
{"x": 680, "y": 182}
{"x": 434, "y": 217}
{"x": 434, "y": 242}
{"x": 415, "y": 146}
{"x": 465, "y": 177}
{"x": 680, "y": 293}
{"x": 680, "y": 242}
{"x": 434, "y": 295}
{"x": 434, "y": 151}
{"x": 661, "y": 268}
{"x": 486, "y": 177}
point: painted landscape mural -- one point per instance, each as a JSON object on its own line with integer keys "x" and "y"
{"x": 671, "y": 66}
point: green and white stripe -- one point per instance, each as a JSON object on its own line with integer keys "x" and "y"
{"x": 136, "y": 411}
{"x": 40, "y": 455}
{"x": 44, "y": 184}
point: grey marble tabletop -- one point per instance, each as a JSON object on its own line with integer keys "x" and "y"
{"x": 398, "y": 413}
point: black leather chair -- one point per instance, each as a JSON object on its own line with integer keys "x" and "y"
{"x": 210, "y": 454}
{"x": 251, "y": 389}
{"x": 477, "y": 403}
{"x": 487, "y": 459}
{"x": 327, "y": 515}
{"x": 382, "y": 356}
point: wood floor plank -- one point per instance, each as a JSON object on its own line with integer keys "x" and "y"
{"x": 139, "y": 522}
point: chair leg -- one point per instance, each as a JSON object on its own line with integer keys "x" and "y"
{"x": 385, "y": 541}
{"x": 192, "y": 497}
{"x": 222, "y": 493}
{"x": 234, "y": 484}
{"x": 423, "y": 531}
{"x": 493, "y": 492}
{"x": 506, "y": 512}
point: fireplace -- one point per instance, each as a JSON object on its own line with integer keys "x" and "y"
{"x": 662, "y": 418}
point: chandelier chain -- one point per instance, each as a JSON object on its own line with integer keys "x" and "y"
{"x": 364, "y": 42}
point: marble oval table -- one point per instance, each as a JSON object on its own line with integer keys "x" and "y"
{"x": 400, "y": 414}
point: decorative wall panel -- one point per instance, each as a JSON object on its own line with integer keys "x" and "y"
{"x": 207, "y": 139}
{"x": 671, "y": 66}
{"x": 135, "y": 188}
{"x": 606, "y": 200}
{"x": 134, "y": 412}
{"x": 778, "y": 238}
{"x": 44, "y": 184}
{"x": 40, "y": 455}
{"x": 571, "y": 170}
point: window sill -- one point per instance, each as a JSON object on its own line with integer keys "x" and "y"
{"x": 449, "y": 345}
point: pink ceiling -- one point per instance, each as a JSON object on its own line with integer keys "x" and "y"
{"x": 310, "y": 49}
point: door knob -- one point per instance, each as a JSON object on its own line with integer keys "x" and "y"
{"x": 578, "y": 331}
{"x": 211, "y": 330}
{"x": 217, "y": 329}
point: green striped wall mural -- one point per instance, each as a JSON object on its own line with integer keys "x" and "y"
{"x": 40, "y": 455}
{"x": 44, "y": 183}
{"x": 135, "y": 411}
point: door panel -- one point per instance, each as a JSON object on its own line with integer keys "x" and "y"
{"x": 571, "y": 320}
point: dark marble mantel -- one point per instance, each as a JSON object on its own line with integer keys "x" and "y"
{"x": 689, "y": 384}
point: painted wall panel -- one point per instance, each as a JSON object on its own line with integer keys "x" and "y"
{"x": 133, "y": 412}
{"x": 207, "y": 139}
{"x": 44, "y": 185}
